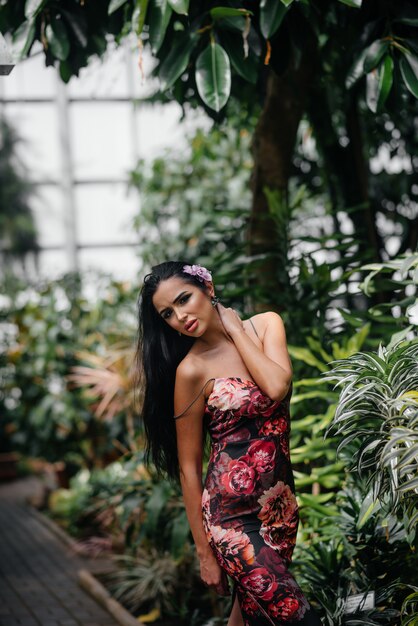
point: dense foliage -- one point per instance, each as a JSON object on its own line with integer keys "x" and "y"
{"x": 344, "y": 74}
{"x": 46, "y": 330}
{"x": 208, "y": 46}
{"x": 17, "y": 225}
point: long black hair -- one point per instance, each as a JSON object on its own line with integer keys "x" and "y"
{"x": 159, "y": 351}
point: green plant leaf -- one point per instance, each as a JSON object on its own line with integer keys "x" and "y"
{"x": 409, "y": 70}
{"x": 213, "y": 76}
{"x": 78, "y": 26}
{"x": 179, "y": 6}
{"x": 114, "y": 5}
{"x": 356, "y": 70}
{"x": 305, "y": 355}
{"x": 374, "y": 54}
{"x": 218, "y": 13}
{"x": 272, "y": 13}
{"x": 23, "y": 38}
{"x": 57, "y": 37}
{"x": 368, "y": 507}
{"x": 179, "y": 534}
{"x": 385, "y": 81}
{"x": 32, "y": 8}
{"x": 245, "y": 67}
{"x": 379, "y": 84}
{"x": 138, "y": 17}
{"x": 156, "y": 503}
{"x": 356, "y": 4}
{"x": 408, "y": 15}
{"x": 159, "y": 17}
{"x": 176, "y": 61}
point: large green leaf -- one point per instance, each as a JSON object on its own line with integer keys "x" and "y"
{"x": 176, "y": 61}
{"x": 213, "y": 76}
{"x": 57, "y": 37}
{"x": 114, "y": 5}
{"x": 23, "y": 38}
{"x": 179, "y": 6}
{"x": 156, "y": 503}
{"x": 379, "y": 84}
{"x": 408, "y": 14}
{"x": 32, "y": 8}
{"x": 138, "y": 17}
{"x": 356, "y": 4}
{"x": 305, "y": 355}
{"x": 374, "y": 54}
{"x": 179, "y": 534}
{"x": 245, "y": 67}
{"x": 409, "y": 70}
{"x": 218, "y": 13}
{"x": 272, "y": 13}
{"x": 78, "y": 26}
{"x": 368, "y": 507}
{"x": 159, "y": 16}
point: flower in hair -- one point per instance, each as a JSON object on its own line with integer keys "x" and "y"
{"x": 199, "y": 271}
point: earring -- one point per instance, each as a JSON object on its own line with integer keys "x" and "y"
{"x": 179, "y": 333}
{"x": 214, "y": 300}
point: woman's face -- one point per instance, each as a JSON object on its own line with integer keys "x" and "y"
{"x": 184, "y": 306}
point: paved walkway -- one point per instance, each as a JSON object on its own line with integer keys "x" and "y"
{"x": 38, "y": 572}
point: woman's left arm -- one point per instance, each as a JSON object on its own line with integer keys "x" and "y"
{"x": 270, "y": 366}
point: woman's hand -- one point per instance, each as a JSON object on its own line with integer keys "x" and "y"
{"x": 230, "y": 319}
{"x": 212, "y": 574}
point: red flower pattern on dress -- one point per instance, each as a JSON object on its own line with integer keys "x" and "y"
{"x": 240, "y": 478}
{"x": 226, "y": 396}
{"x": 261, "y": 454}
{"x": 272, "y": 561}
{"x": 274, "y": 426}
{"x": 260, "y": 404}
{"x": 282, "y": 540}
{"x": 279, "y": 507}
{"x": 234, "y": 547}
{"x": 248, "y": 605}
{"x": 249, "y": 508}
{"x": 260, "y": 583}
{"x": 284, "y": 609}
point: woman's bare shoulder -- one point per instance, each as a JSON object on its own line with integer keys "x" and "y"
{"x": 262, "y": 320}
{"x": 190, "y": 369}
{"x": 189, "y": 384}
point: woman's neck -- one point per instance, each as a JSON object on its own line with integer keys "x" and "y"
{"x": 214, "y": 336}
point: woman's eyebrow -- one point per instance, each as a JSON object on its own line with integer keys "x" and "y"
{"x": 178, "y": 297}
{"x": 174, "y": 301}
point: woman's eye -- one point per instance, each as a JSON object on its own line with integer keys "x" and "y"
{"x": 184, "y": 299}
{"x": 166, "y": 315}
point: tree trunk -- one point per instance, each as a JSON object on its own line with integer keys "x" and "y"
{"x": 273, "y": 146}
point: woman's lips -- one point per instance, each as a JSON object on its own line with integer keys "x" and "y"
{"x": 191, "y": 327}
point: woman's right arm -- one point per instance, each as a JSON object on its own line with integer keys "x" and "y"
{"x": 189, "y": 429}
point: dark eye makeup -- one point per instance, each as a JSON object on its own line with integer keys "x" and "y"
{"x": 167, "y": 312}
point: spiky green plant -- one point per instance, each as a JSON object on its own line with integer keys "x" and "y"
{"x": 377, "y": 417}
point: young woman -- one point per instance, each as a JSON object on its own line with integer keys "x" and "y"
{"x": 206, "y": 369}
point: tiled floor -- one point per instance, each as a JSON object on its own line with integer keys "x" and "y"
{"x": 38, "y": 572}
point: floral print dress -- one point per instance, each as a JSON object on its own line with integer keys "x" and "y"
{"x": 250, "y": 511}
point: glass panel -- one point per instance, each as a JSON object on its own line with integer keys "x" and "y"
{"x": 105, "y": 213}
{"x": 122, "y": 263}
{"x": 47, "y": 206}
{"x": 37, "y": 125}
{"x": 101, "y": 139}
{"x": 30, "y": 78}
